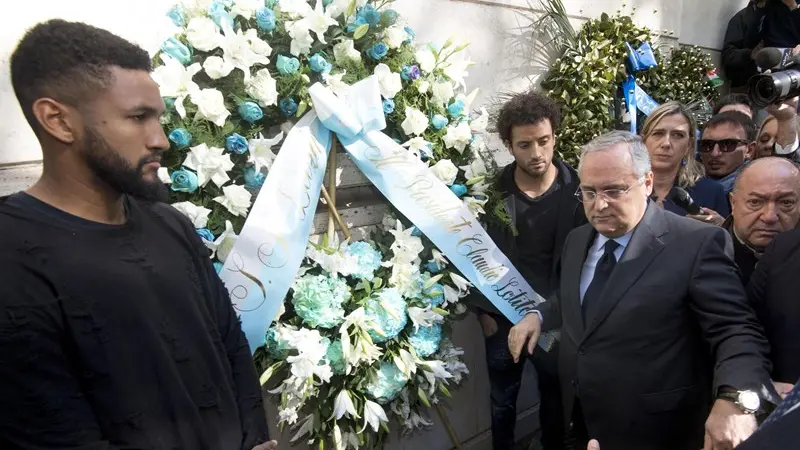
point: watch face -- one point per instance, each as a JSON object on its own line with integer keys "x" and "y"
{"x": 749, "y": 400}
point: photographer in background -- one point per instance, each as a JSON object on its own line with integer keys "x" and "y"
{"x": 738, "y": 58}
{"x": 779, "y": 24}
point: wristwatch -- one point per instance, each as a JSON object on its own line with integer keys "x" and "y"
{"x": 748, "y": 401}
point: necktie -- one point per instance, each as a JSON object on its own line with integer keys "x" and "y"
{"x": 602, "y": 273}
{"x": 790, "y": 401}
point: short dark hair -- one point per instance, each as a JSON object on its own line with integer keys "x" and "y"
{"x": 526, "y": 109}
{"x": 735, "y": 118}
{"x": 69, "y": 62}
{"x": 732, "y": 99}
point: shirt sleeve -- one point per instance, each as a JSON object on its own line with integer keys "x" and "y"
{"x": 43, "y": 403}
{"x": 735, "y": 54}
{"x": 248, "y": 389}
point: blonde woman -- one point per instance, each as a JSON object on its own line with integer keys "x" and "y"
{"x": 767, "y": 136}
{"x": 670, "y": 136}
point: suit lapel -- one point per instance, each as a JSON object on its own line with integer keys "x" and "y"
{"x": 644, "y": 246}
{"x": 572, "y": 267}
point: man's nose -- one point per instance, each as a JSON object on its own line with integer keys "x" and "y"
{"x": 157, "y": 139}
{"x": 769, "y": 214}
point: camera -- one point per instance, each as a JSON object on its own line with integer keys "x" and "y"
{"x": 781, "y": 82}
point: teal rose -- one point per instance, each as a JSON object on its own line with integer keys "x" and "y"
{"x": 236, "y": 143}
{"x": 184, "y": 181}
{"x": 250, "y": 112}
{"x": 177, "y": 50}
{"x": 439, "y": 121}
{"x": 253, "y": 180}
{"x": 205, "y": 234}
{"x": 319, "y": 64}
{"x": 378, "y": 51}
{"x": 265, "y": 19}
{"x": 288, "y": 107}
{"x": 180, "y": 137}
{"x": 287, "y": 66}
{"x": 459, "y": 189}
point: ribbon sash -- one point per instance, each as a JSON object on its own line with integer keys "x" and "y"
{"x": 264, "y": 261}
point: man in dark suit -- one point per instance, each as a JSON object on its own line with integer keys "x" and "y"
{"x": 773, "y": 294}
{"x": 649, "y": 342}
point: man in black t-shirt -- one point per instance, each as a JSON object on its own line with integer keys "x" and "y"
{"x": 115, "y": 330}
{"x": 539, "y": 198}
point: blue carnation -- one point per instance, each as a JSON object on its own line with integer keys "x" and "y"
{"x": 387, "y": 310}
{"x": 177, "y": 17}
{"x": 183, "y": 181}
{"x": 456, "y": 108}
{"x": 205, "y": 234}
{"x": 388, "y": 106}
{"x": 410, "y": 73}
{"x": 411, "y": 35}
{"x": 275, "y": 346}
{"x": 425, "y": 340}
{"x": 253, "y": 180}
{"x": 251, "y": 112}
{"x": 378, "y": 51}
{"x": 387, "y": 384}
{"x": 435, "y": 294}
{"x": 288, "y": 107}
{"x": 369, "y": 259}
{"x": 218, "y": 266}
{"x": 370, "y": 15}
{"x": 459, "y": 189}
{"x": 319, "y": 64}
{"x": 220, "y": 15}
{"x": 236, "y": 143}
{"x": 287, "y": 66}
{"x": 389, "y": 17}
{"x": 439, "y": 121}
{"x": 175, "y": 48}
{"x": 265, "y": 19}
{"x": 180, "y": 137}
{"x": 319, "y": 300}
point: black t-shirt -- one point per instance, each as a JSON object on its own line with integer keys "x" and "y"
{"x": 118, "y": 336}
{"x": 536, "y": 221}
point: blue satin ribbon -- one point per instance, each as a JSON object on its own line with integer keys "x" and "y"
{"x": 637, "y": 99}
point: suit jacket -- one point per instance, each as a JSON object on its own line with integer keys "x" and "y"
{"x": 781, "y": 435}
{"x": 673, "y": 310}
{"x": 773, "y": 293}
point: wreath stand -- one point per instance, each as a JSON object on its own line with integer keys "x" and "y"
{"x": 334, "y": 219}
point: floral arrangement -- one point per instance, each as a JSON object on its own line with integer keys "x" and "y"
{"x": 363, "y": 336}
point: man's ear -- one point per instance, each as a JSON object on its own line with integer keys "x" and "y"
{"x": 750, "y": 153}
{"x": 57, "y": 120}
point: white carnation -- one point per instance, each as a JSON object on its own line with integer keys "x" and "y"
{"x": 446, "y": 171}
{"x": 217, "y": 67}
{"x": 236, "y": 199}
{"x": 211, "y": 106}
{"x": 443, "y": 92}
{"x": 415, "y": 123}
{"x": 458, "y": 136}
{"x": 425, "y": 59}
{"x": 198, "y": 215}
{"x": 203, "y": 34}
{"x": 394, "y": 36}
{"x": 263, "y": 88}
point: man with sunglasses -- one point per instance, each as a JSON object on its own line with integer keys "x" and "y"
{"x": 728, "y": 142}
{"x": 651, "y": 310}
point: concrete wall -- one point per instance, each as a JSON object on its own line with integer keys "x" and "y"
{"x": 504, "y": 52}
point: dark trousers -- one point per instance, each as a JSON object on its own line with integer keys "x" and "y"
{"x": 505, "y": 378}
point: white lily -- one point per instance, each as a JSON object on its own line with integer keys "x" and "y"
{"x": 462, "y": 284}
{"x": 434, "y": 370}
{"x": 417, "y": 146}
{"x": 474, "y": 205}
{"x": 223, "y": 245}
{"x": 439, "y": 259}
{"x": 343, "y": 405}
{"x": 338, "y": 443}
{"x": 318, "y": 21}
{"x": 474, "y": 169}
{"x": 210, "y": 163}
{"x": 423, "y": 317}
{"x": 406, "y": 363}
{"x": 242, "y": 50}
{"x": 374, "y": 415}
{"x": 261, "y": 154}
{"x": 450, "y": 295}
{"x": 301, "y": 37}
{"x": 174, "y": 80}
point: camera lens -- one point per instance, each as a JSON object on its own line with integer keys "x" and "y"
{"x": 765, "y": 88}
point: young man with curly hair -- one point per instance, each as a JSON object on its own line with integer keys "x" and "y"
{"x": 539, "y": 198}
{"x": 115, "y": 330}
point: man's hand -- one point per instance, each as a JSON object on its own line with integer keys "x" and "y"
{"x": 593, "y": 445}
{"x": 782, "y": 389}
{"x": 727, "y": 426}
{"x": 784, "y": 111}
{"x": 791, "y": 4}
{"x": 488, "y": 324}
{"x": 526, "y": 331}
{"x": 271, "y": 445}
{"x": 708, "y": 216}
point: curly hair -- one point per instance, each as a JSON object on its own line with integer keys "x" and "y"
{"x": 69, "y": 62}
{"x": 526, "y": 109}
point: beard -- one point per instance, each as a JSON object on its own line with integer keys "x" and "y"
{"x": 113, "y": 170}
{"x": 533, "y": 171}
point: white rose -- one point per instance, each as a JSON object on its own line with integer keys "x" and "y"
{"x": 345, "y": 51}
{"x": 263, "y": 88}
{"x": 390, "y": 82}
{"x": 217, "y": 67}
{"x": 394, "y": 36}
{"x": 203, "y": 34}
{"x": 425, "y": 59}
{"x": 246, "y": 8}
{"x": 446, "y": 171}
{"x": 423, "y": 87}
{"x": 198, "y": 215}
{"x": 442, "y": 92}
{"x": 458, "y": 137}
{"x": 416, "y": 122}
{"x": 211, "y": 106}
{"x": 236, "y": 199}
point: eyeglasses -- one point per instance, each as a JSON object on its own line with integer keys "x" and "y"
{"x": 610, "y": 195}
{"x": 725, "y": 145}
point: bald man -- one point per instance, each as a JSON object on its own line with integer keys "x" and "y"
{"x": 765, "y": 201}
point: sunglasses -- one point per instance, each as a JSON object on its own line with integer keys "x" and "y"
{"x": 725, "y": 145}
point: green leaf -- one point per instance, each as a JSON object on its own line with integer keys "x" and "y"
{"x": 361, "y": 31}
{"x": 301, "y": 108}
{"x": 378, "y": 283}
{"x": 423, "y": 398}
